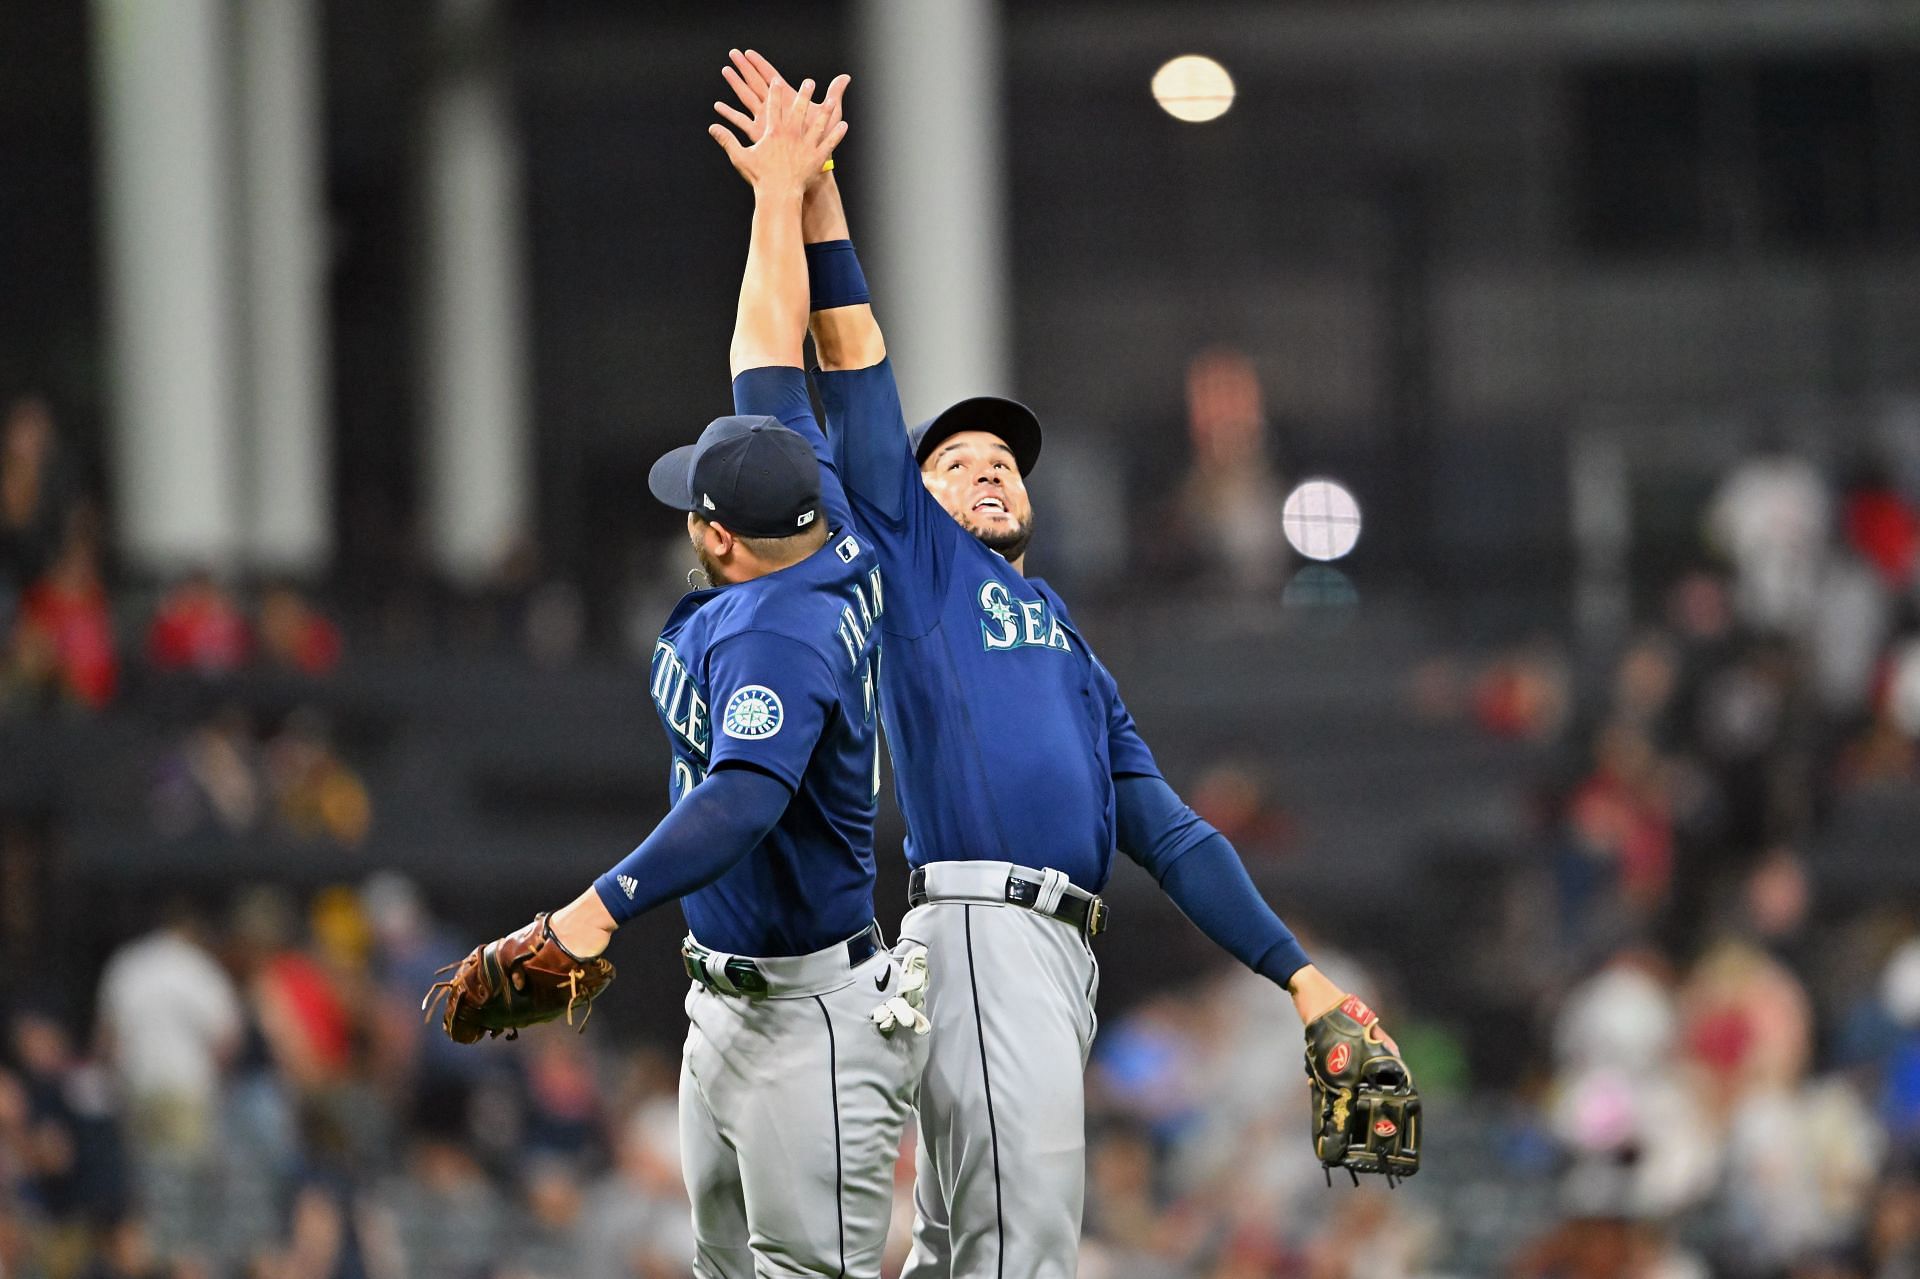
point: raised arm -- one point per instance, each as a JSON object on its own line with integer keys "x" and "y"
{"x": 795, "y": 138}
{"x": 863, "y": 417}
{"x": 845, "y": 333}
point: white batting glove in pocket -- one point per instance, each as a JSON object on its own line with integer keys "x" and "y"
{"x": 903, "y": 1009}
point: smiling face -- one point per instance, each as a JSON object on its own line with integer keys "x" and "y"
{"x": 973, "y": 475}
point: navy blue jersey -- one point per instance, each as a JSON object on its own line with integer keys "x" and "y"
{"x": 778, "y": 674}
{"x": 1006, "y": 731}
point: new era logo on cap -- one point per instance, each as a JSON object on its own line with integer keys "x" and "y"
{"x": 751, "y": 475}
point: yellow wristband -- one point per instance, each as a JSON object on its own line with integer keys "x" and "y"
{"x": 828, "y": 166}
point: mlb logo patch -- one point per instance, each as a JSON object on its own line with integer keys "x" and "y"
{"x": 847, "y": 549}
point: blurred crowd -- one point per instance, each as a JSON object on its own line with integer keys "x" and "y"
{"x": 1678, "y": 1051}
{"x": 261, "y": 1098}
{"x": 65, "y": 640}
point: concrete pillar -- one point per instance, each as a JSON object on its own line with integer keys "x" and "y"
{"x": 930, "y": 93}
{"x": 288, "y": 508}
{"x": 174, "y": 455}
{"x": 479, "y": 458}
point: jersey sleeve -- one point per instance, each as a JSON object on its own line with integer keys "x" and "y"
{"x": 771, "y": 697}
{"x": 780, "y": 392}
{"x": 701, "y": 838}
{"x": 868, "y": 434}
{"x": 1127, "y": 752}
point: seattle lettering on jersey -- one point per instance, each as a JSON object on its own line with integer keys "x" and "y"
{"x": 682, "y": 708}
{"x": 1011, "y": 623}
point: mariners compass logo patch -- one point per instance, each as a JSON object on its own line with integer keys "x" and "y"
{"x": 752, "y": 713}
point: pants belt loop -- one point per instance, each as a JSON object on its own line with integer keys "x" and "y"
{"x": 1053, "y": 887}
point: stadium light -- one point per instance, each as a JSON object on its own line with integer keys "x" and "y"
{"x": 1193, "y": 88}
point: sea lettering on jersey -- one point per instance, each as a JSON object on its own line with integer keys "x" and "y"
{"x": 1010, "y": 623}
{"x": 684, "y": 711}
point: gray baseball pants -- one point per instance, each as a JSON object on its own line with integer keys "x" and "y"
{"x": 791, "y": 1110}
{"x": 1001, "y": 1174}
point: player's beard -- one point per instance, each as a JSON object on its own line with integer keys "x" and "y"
{"x": 1011, "y": 542}
{"x": 709, "y": 567}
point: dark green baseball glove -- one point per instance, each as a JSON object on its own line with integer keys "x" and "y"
{"x": 1366, "y": 1111}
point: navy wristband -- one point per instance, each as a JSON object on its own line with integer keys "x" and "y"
{"x": 834, "y": 277}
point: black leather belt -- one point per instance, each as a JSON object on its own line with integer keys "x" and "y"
{"x": 1088, "y": 914}
{"x": 745, "y": 975}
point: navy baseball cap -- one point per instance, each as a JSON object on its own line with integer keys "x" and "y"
{"x": 752, "y": 474}
{"x": 1011, "y": 420}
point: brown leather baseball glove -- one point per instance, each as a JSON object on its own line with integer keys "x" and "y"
{"x": 524, "y": 978}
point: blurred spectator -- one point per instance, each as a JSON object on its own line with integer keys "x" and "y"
{"x": 450, "y": 1221}
{"x": 1881, "y": 525}
{"x": 1746, "y": 1021}
{"x": 1230, "y": 502}
{"x": 35, "y": 499}
{"x": 295, "y": 635}
{"x": 429, "y": 1077}
{"x": 545, "y": 1247}
{"x": 65, "y": 627}
{"x": 637, "y": 1223}
{"x": 1770, "y": 517}
{"x": 1234, "y": 798}
{"x": 199, "y": 627}
{"x": 1801, "y": 1164}
{"x": 306, "y": 1025}
{"x": 315, "y": 794}
{"x": 170, "y": 1022}
{"x": 1524, "y": 693}
{"x": 1630, "y": 1119}
{"x": 562, "y": 1097}
{"x": 1606, "y": 1246}
{"x": 211, "y": 777}
{"x": 1848, "y": 631}
{"x": 127, "y": 1252}
{"x": 1619, "y": 856}
{"x": 79, "y": 1177}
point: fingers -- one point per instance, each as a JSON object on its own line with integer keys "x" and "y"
{"x": 762, "y": 68}
{"x": 728, "y": 143}
{"x": 834, "y": 136}
{"x": 738, "y": 119}
{"x": 750, "y": 98}
{"x": 751, "y": 73}
{"x": 780, "y": 100}
{"x": 836, "y": 91}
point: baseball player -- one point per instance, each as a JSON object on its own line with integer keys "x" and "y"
{"x": 1019, "y": 771}
{"x": 806, "y": 1043}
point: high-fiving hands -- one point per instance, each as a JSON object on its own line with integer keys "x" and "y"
{"x": 791, "y": 136}
{"x": 750, "y": 77}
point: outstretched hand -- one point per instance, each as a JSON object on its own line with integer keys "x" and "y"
{"x": 750, "y": 76}
{"x": 796, "y": 135}
{"x": 752, "y": 79}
